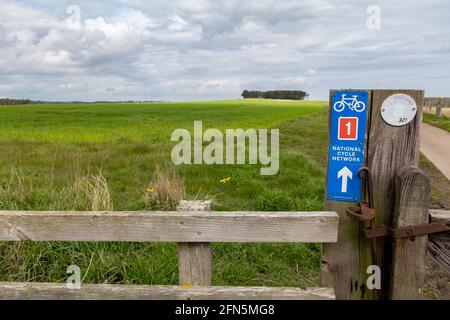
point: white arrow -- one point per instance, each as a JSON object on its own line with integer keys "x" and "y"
{"x": 345, "y": 173}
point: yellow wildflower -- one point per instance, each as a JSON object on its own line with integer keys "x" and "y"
{"x": 150, "y": 190}
{"x": 225, "y": 180}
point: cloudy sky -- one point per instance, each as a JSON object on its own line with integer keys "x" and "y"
{"x": 200, "y": 49}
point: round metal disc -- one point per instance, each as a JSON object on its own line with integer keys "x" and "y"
{"x": 399, "y": 109}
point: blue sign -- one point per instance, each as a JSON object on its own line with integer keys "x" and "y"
{"x": 347, "y": 142}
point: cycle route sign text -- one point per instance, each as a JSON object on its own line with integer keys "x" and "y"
{"x": 347, "y": 143}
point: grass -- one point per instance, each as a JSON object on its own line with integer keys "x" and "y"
{"x": 108, "y": 156}
{"x": 440, "y": 186}
{"x": 443, "y": 122}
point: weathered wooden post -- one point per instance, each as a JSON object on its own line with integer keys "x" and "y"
{"x": 194, "y": 259}
{"x": 439, "y": 244}
{"x": 391, "y": 148}
{"x": 438, "y": 110}
{"x": 412, "y": 193}
{"x": 341, "y": 266}
{"x": 393, "y": 125}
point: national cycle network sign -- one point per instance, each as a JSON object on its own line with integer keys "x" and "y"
{"x": 347, "y": 143}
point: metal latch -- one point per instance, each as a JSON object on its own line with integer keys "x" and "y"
{"x": 407, "y": 232}
{"x": 366, "y": 212}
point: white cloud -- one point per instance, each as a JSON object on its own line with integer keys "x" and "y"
{"x": 198, "y": 49}
{"x": 136, "y": 18}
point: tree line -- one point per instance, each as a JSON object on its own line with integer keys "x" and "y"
{"x": 275, "y": 94}
{"x": 11, "y": 102}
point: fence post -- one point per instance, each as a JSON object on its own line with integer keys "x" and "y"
{"x": 194, "y": 259}
{"x": 438, "y": 110}
{"x": 412, "y": 189}
{"x": 344, "y": 264}
{"x": 389, "y": 148}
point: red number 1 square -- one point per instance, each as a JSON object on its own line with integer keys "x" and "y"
{"x": 348, "y": 128}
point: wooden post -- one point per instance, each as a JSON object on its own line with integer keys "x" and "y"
{"x": 412, "y": 194}
{"x": 390, "y": 149}
{"x": 194, "y": 259}
{"x": 438, "y": 110}
{"x": 344, "y": 265}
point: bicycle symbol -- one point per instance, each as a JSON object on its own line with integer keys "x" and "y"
{"x": 352, "y": 103}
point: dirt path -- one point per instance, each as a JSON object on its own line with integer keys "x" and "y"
{"x": 435, "y": 145}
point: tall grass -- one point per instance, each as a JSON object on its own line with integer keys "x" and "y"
{"x": 94, "y": 190}
{"x": 165, "y": 191}
{"x": 82, "y": 193}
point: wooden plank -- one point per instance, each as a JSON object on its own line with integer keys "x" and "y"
{"x": 390, "y": 149}
{"x": 440, "y": 215}
{"x": 178, "y": 226}
{"x": 438, "y": 248}
{"x": 343, "y": 263}
{"x": 194, "y": 263}
{"x": 194, "y": 259}
{"x": 412, "y": 189}
{"x": 45, "y": 291}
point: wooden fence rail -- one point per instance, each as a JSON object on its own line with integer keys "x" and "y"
{"x": 43, "y": 291}
{"x": 177, "y": 226}
{"x": 192, "y": 227}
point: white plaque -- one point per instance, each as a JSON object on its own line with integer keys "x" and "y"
{"x": 399, "y": 109}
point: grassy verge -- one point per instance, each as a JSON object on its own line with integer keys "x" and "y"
{"x": 443, "y": 122}
{"x": 437, "y": 279}
{"x": 440, "y": 186}
{"x": 101, "y": 157}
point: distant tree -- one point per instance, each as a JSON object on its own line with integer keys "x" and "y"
{"x": 275, "y": 94}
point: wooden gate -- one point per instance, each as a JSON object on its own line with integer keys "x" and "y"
{"x": 191, "y": 226}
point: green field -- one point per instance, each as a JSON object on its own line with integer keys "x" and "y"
{"x": 117, "y": 156}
